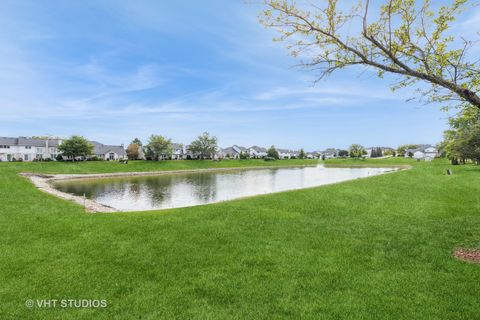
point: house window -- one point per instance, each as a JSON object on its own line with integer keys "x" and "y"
{"x": 111, "y": 156}
{"x": 28, "y": 147}
{"x": 4, "y": 147}
{"x": 39, "y": 150}
{"x": 26, "y": 157}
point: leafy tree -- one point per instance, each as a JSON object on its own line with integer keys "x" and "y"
{"x": 302, "y": 154}
{"x": 376, "y": 152}
{"x": 273, "y": 153}
{"x": 244, "y": 155}
{"x": 389, "y": 152}
{"x": 343, "y": 153}
{"x": 76, "y": 146}
{"x": 410, "y": 39}
{"x": 133, "y": 151}
{"x": 137, "y": 142}
{"x": 159, "y": 147}
{"x": 356, "y": 151}
{"x": 205, "y": 146}
{"x": 463, "y": 144}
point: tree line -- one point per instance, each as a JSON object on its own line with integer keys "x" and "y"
{"x": 160, "y": 147}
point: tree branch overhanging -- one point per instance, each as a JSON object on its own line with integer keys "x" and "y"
{"x": 408, "y": 39}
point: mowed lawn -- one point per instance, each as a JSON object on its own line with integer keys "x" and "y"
{"x": 375, "y": 248}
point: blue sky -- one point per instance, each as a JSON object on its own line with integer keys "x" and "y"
{"x": 115, "y": 70}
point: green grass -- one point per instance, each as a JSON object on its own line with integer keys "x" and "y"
{"x": 376, "y": 248}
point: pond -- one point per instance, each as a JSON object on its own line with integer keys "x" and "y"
{"x": 176, "y": 190}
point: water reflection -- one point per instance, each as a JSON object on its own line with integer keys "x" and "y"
{"x": 188, "y": 189}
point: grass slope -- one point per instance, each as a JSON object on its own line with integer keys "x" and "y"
{"x": 376, "y": 248}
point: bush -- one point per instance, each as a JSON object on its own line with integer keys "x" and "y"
{"x": 269, "y": 159}
{"x": 59, "y": 157}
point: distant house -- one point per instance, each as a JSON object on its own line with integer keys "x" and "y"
{"x": 287, "y": 154}
{"x": 28, "y": 149}
{"x": 232, "y": 152}
{"x": 108, "y": 152}
{"x": 189, "y": 154}
{"x": 257, "y": 152}
{"x": 314, "y": 155}
{"x": 329, "y": 153}
{"x": 423, "y": 152}
{"x": 178, "y": 151}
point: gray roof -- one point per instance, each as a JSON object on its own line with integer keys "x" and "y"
{"x": 177, "y": 146}
{"x": 100, "y": 149}
{"x": 258, "y": 149}
{"x": 8, "y": 141}
{"x": 231, "y": 150}
{"x": 421, "y": 148}
{"x": 24, "y": 141}
{"x": 287, "y": 151}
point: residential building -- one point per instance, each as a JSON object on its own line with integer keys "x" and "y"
{"x": 28, "y": 149}
{"x": 232, "y": 152}
{"x": 257, "y": 152}
{"x": 287, "y": 154}
{"x": 179, "y": 152}
{"x": 329, "y": 153}
{"x": 108, "y": 152}
{"x": 423, "y": 152}
{"x": 313, "y": 155}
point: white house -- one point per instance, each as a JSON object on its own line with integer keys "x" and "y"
{"x": 108, "y": 152}
{"x": 178, "y": 151}
{"x": 257, "y": 152}
{"x": 329, "y": 153}
{"x": 424, "y": 152}
{"x": 312, "y": 155}
{"x": 232, "y": 152}
{"x": 287, "y": 154}
{"x": 28, "y": 149}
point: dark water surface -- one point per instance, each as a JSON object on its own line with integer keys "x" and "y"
{"x": 190, "y": 189}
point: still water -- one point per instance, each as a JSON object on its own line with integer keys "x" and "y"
{"x": 190, "y": 189}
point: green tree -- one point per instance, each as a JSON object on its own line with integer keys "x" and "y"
{"x": 205, "y": 146}
{"x": 159, "y": 147}
{"x": 343, "y": 153}
{"x": 133, "y": 151}
{"x": 410, "y": 39}
{"x": 76, "y": 146}
{"x": 389, "y": 152}
{"x": 302, "y": 154}
{"x": 462, "y": 144}
{"x": 244, "y": 155}
{"x": 273, "y": 153}
{"x": 137, "y": 142}
{"x": 356, "y": 151}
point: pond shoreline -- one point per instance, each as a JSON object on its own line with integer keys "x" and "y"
{"x": 44, "y": 182}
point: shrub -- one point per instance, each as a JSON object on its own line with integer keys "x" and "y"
{"x": 59, "y": 157}
{"x": 269, "y": 159}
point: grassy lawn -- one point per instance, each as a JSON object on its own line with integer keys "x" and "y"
{"x": 376, "y": 248}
